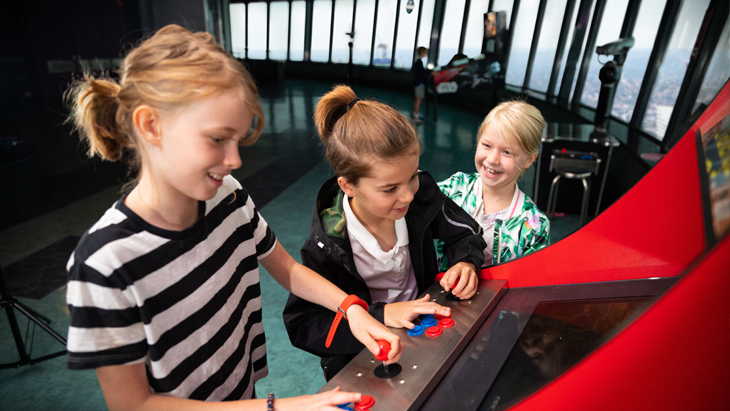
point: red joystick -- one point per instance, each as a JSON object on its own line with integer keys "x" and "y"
{"x": 384, "y": 350}
{"x": 441, "y": 275}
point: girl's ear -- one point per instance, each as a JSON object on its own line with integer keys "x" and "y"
{"x": 146, "y": 121}
{"x": 346, "y": 187}
{"x": 529, "y": 161}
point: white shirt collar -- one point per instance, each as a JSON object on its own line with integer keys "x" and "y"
{"x": 512, "y": 209}
{"x": 368, "y": 241}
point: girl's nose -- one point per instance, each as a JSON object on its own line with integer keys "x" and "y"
{"x": 493, "y": 157}
{"x": 408, "y": 195}
{"x": 233, "y": 157}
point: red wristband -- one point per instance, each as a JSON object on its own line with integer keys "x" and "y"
{"x": 341, "y": 310}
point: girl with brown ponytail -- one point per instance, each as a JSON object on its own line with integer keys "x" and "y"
{"x": 164, "y": 289}
{"x": 374, "y": 225}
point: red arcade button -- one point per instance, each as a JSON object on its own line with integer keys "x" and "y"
{"x": 440, "y": 317}
{"x": 446, "y": 323}
{"x": 434, "y": 331}
{"x": 365, "y": 403}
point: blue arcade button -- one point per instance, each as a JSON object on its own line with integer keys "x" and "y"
{"x": 428, "y": 322}
{"x": 415, "y": 331}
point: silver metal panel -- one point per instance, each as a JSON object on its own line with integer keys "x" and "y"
{"x": 425, "y": 360}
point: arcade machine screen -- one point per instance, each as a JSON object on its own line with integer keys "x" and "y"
{"x": 557, "y": 335}
{"x": 716, "y": 148}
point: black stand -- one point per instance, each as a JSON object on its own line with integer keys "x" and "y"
{"x": 9, "y": 302}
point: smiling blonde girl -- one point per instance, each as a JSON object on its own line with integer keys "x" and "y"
{"x": 508, "y": 142}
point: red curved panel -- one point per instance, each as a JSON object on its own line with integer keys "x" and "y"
{"x": 676, "y": 356}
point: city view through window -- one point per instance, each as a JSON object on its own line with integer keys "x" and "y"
{"x": 662, "y": 98}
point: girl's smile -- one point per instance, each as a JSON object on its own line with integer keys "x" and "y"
{"x": 496, "y": 162}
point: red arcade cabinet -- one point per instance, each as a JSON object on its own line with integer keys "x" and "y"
{"x": 632, "y": 311}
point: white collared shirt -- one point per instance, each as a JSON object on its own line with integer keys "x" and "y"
{"x": 388, "y": 274}
{"x": 487, "y": 221}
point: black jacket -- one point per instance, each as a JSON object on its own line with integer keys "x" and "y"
{"x": 420, "y": 74}
{"x": 431, "y": 215}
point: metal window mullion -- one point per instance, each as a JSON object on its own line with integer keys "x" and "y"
{"x": 697, "y": 67}
{"x": 375, "y": 30}
{"x": 395, "y": 34}
{"x": 418, "y": 31}
{"x": 661, "y": 44}
{"x": 268, "y": 27}
{"x": 464, "y": 20}
{"x": 439, "y": 7}
{"x": 588, "y": 54}
{"x": 332, "y": 30}
{"x": 562, "y": 40}
{"x": 226, "y": 12}
{"x": 245, "y": 32}
{"x": 576, "y": 45}
{"x": 627, "y": 30}
{"x": 288, "y": 37}
{"x": 511, "y": 32}
{"x": 352, "y": 28}
{"x": 632, "y": 13}
{"x": 535, "y": 40}
{"x": 308, "y": 21}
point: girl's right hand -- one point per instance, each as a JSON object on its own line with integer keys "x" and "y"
{"x": 328, "y": 400}
{"x": 400, "y": 315}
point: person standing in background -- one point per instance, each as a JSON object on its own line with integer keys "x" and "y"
{"x": 420, "y": 78}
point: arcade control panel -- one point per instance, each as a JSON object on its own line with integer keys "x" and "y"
{"x": 430, "y": 349}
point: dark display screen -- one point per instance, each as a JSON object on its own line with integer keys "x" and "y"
{"x": 557, "y": 335}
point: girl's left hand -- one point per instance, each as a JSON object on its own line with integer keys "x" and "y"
{"x": 368, "y": 330}
{"x": 465, "y": 275}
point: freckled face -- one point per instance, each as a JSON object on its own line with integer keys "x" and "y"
{"x": 388, "y": 191}
{"x": 200, "y": 144}
{"x": 495, "y": 162}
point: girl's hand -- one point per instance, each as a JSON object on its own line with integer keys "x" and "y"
{"x": 462, "y": 278}
{"x": 401, "y": 314}
{"x": 323, "y": 401}
{"x": 368, "y": 330}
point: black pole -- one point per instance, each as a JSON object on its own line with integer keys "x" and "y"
{"x": 535, "y": 42}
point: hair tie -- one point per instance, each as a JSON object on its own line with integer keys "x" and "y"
{"x": 352, "y": 103}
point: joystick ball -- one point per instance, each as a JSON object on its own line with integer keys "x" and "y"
{"x": 384, "y": 350}
{"x": 386, "y": 371}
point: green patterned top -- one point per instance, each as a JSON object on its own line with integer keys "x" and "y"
{"x": 527, "y": 230}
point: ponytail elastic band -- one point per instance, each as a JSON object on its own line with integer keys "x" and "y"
{"x": 352, "y": 103}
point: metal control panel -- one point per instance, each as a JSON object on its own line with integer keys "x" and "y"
{"x": 426, "y": 357}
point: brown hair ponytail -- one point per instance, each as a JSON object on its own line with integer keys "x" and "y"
{"x": 95, "y": 106}
{"x": 172, "y": 68}
{"x": 357, "y": 132}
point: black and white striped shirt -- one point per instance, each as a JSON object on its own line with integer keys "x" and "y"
{"x": 185, "y": 303}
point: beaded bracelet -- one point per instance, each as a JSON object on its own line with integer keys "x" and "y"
{"x": 270, "y": 402}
